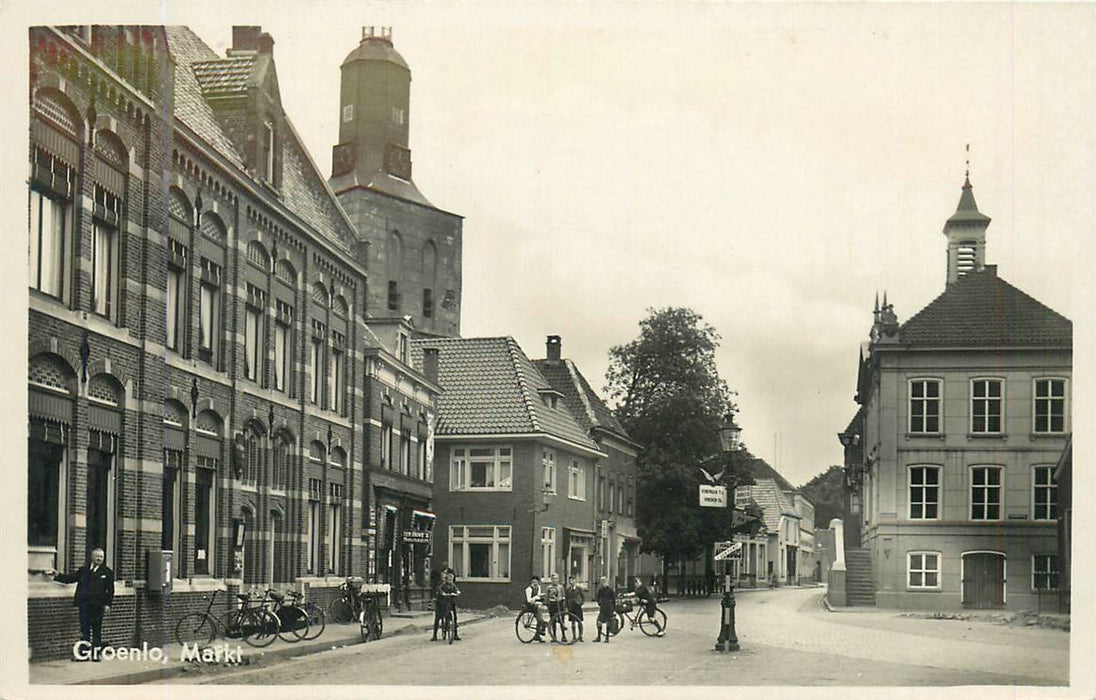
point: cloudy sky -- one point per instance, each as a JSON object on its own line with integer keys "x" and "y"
{"x": 771, "y": 167}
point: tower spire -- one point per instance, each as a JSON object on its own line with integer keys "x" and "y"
{"x": 966, "y": 232}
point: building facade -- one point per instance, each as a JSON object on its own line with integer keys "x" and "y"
{"x": 203, "y": 390}
{"x": 414, "y": 248}
{"x": 964, "y": 413}
{"x": 513, "y": 472}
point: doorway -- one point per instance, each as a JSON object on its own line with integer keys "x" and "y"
{"x": 984, "y": 580}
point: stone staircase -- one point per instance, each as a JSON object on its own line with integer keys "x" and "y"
{"x": 858, "y": 583}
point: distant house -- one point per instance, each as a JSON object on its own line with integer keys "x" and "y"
{"x": 615, "y": 476}
{"x": 964, "y": 414}
{"x": 776, "y": 557}
{"x": 513, "y": 471}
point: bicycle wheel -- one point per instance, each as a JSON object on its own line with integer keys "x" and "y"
{"x": 447, "y": 627}
{"x": 619, "y": 625}
{"x": 292, "y": 624}
{"x": 365, "y": 628}
{"x": 258, "y": 627}
{"x": 317, "y": 620}
{"x": 525, "y": 626}
{"x": 376, "y": 625}
{"x": 195, "y": 629}
{"x": 341, "y": 611}
{"x": 561, "y": 628}
{"x": 652, "y": 626}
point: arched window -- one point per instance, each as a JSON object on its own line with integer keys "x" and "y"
{"x": 52, "y": 386}
{"x": 56, "y": 135}
{"x": 340, "y": 306}
{"x": 253, "y": 434}
{"x": 320, "y": 295}
{"x": 286, "y": 272}
{"x": 282, "y": 459}
{"x": 257, "y": 255}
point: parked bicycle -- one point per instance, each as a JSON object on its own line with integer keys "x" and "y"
{"x": 254, "y": 624}
{"x": 348, "y": 606}
{"x": 317, "y": 620}
{"x": 372, "y": 623}
{"x": 526, "y": 625}
{"x": 636, "y": 615}
{"x": 292, "y": 622}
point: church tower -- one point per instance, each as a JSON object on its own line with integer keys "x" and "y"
{"x": 414, "y": 258}
{"x": 966, "y": 233}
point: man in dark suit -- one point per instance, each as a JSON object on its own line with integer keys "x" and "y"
{"x": 94, "y": 595}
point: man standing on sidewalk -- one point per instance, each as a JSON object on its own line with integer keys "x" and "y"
{"x": 94, "y": 594}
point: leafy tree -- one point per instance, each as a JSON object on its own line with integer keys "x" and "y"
{"x": 670, "y": 398}
{"x": 826, "y": 491}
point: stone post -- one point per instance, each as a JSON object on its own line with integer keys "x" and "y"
{"x": 835, "y": 593}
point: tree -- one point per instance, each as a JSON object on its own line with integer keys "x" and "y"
{"x": 670, "y": 398}
{"x": 826, "y": 491}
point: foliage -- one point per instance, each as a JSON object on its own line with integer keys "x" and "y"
{"x": 826, "y": 492}
{"x": 670, "y": 398}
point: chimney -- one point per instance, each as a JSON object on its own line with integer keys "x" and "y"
{"x": 246, "y": 38}
{"x": 430, "y": 364}
{"x": 553, "y": 348}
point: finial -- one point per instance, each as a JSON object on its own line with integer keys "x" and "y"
{"x": 876, "y": 300}
{"x": 884, "y": 298}
{"x": 968, "y": 161}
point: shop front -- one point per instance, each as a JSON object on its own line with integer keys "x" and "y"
{"x": 404, "y": 539}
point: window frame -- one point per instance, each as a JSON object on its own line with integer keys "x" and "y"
{"x": 924, "y": 570}
{"x": 461, "y": 461}
{"x": 104, "y": 277}
{"x": 460, "y": 553}
{"x": 986, "y": 401}
{"x": 1036, "y": 398}
{"x": 211, "y": 282}
{"x": 61, "y": 255}
{"x": 547, "y": 550}
{"x": 576, "y": 480}
{"x": 1052, "y": 575}
{"x": 939, "y": 399}
{"x": 924, "y": 486}
{"x": 548, "y": 466}
{"x": 1051, "y": 487}
{"x": 998, "y": 489}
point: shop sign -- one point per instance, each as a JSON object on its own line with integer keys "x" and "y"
{"x": 416, "y": 537}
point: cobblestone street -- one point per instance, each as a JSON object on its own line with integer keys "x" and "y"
{"x": 787, "y": 638}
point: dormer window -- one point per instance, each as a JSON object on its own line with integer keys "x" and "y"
{"x": 268, "y": 143}
{"x": 550, "y": 397}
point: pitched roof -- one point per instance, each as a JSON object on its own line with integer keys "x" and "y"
{"x": 199, "y": 74}
{"x": 585, "y": 405}
{"x": 982, "y": 310}
{"x": 489, "y": 387}
{"x": 768, "y": 495}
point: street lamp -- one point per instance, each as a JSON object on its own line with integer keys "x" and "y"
{"x": 546, "y": 495}
{"x": 729, "y": 434}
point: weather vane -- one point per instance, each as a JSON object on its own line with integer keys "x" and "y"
{"x": 968, "y": 160}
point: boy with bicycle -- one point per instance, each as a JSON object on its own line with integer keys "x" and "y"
{"x": 648, "y": 601}
{"x": 444, "y": 599}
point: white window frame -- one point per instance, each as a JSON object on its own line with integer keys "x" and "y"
{"x": 253, "y": 331}
{"x": 1052, "y": 558}
{"x": 548, "y": 463}
{"x": 175, "y": 330}
{"x": 987, "y": 401}
{"x": 211, "y": 506}
{"x": 335, "y": 384}
{"x": 1051, "y": 486}
{"x": 48, "y": 269}
{"x": 332, "y": 535}
{"x": 460, "y": 556}
{"x": 924, "y": 570}
{"x": 1047, "y": 399}
{"x": 576, "y": 481}
{"x": 313, "y": 541}
{"x": 282, "y": 345}
{"x": 208, "y": 317}
{"x": 999, "y": 488}
{"x": 500, "y": 464}
{"x": 104, "y": 273}
{"x": 924, "y": 502}
{"x": 547, "y": 551}
{"x": 315, "y": 361}
{"x": 939, "y": 398}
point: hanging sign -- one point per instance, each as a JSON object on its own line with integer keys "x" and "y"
{"x": 713, "y": 496}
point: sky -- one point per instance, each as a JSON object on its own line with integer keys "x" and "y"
{"x": 772, "y": 167}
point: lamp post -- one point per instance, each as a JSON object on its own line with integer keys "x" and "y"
{"x": 729, "y": 434}
{"x": 545, "y": 500}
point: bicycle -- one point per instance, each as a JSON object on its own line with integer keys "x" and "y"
{"x": 348, "y": 606}
{"x": 627, "y": 610}
{"x": 317, "y": 620}
{"x": 527, "y": 625}
{"x": 449, "y": 618}
{"x": 370, "y": 619}
{"x": 292, "y": 620}
{"x": 255, "y": 625}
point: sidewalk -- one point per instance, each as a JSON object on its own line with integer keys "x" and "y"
{"x": 142, "y": 670}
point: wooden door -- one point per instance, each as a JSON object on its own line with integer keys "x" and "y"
{"x": 984, "y": 581}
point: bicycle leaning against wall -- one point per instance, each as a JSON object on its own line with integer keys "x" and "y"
{"x": 252, "y": 623}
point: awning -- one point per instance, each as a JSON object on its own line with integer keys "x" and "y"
{"x": 422, "y": 514}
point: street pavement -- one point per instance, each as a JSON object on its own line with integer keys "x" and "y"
{"x": 786, "y": 636}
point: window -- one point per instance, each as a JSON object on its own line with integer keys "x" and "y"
{"x": 924, "y": 570}
{"x": 100, "y": 498}
{"x": 386, "y": 445}
{"x": 924, "y": 493}
{"x": 601, "y": 492}
{"x": 50, "y": 220}
{"x": 332, "y": 534}
{"x": 620, "y": 499}
{"x": 1044, "y": 572}
{"x": 925, "y": 406}
{"x": 1050, "y": 405}
{"x": 547, "y": 551}
{"x": 405, "y": 454}
{"x": 985, "y": 493}
{"x": 209, "y": 311}
{"x": 480, "y": 552}
{"x": 176, "y": 297}
{"x": 985, "y": 405}
{"x": 279, "y": 475}
{"x": 268, "y": 143}
{"x": 548, "y": 462}
{"x": 315, "y": 366}
{"x": 1045, "y": 494}
{"x": 397, "y": 115}
{"x": 403, "y": 347}
{"x": 427, "y": 303}
{"x": 104, "y": 269}
{"x": 203, "y": 513}
{"x": 393, "y": 295}
{"x": 171, "y": 500}
{"x": 335, "y": 381}
{"x": 282, "y": 344}
{"x": 253, "y": 324}
{"x": 315, "y": 490}
{"x": 576, "y": 483}
{"x": 348, "y": 113}
{"x": 481, "y": 469}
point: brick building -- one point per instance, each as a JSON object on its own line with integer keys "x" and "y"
{"x": 514, "y": 471}
{"x": 201, "y": 378}
{"x": 964, "y": 414}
